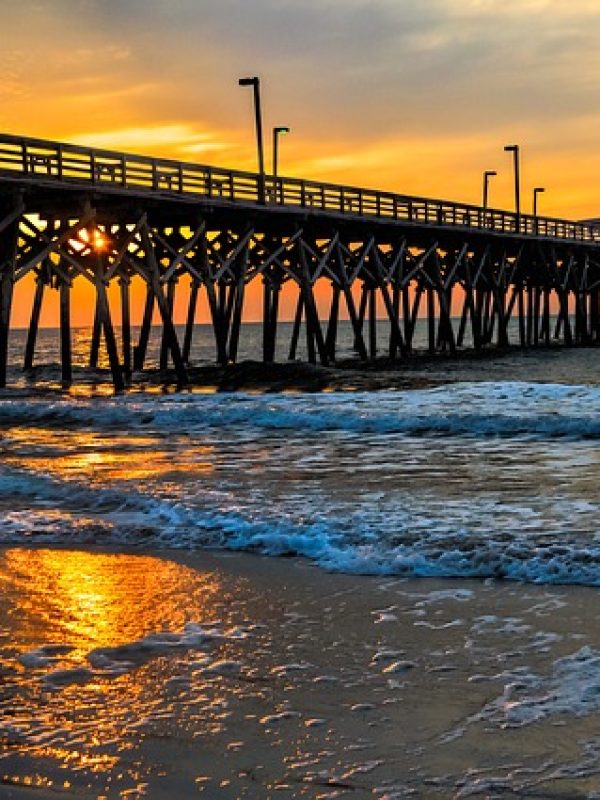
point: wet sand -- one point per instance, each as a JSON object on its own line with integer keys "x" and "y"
{"x": 170, "y": 675}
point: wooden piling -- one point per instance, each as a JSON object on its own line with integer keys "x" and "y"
{"x": 125, "y": 325}
{"x": 102, "y": 309}
{"x": 170, "y": 302}
{"x": 372, "y": 323}
{"x": 165, "y": 313}
{"x": 140, "y": 350}
{"x": 95, "y": 340}
{"x": 332, "y": 324}
{"x": 190, "y": 320}
{"x": 65, "y": 333}
{"x": 34, "y": 323}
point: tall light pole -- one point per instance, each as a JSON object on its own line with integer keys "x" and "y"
{"x": 276, "y": 132}
{"x": 489, "y": 173}
{"x": 514, "y": 149}
{"x": 255, "y": 83}
{"x": 538, "y": 190}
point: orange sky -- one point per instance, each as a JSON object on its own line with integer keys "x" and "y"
{"x": 417, "y": 96}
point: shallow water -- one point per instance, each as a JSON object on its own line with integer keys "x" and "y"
{"x": 465, "y": 480}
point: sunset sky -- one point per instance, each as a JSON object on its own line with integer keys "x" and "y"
{"x": 418, "y": 96}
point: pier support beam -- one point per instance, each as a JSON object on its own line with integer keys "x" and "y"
{"x": 66, "y": 366}
{"x": 141, "y": 348}
{"x": 9, "y": 238}
{"x": 125, "y": 325}
{"x": 34, "y": 322}
{"x": 165, "y": 313}
{"x": 103, "y": 311}
{"x": 189, "y": 322}
{"x": 415, "y": 282}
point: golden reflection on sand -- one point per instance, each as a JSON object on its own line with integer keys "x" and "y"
{"x": 89, "y": 600}
{"x": 59, "y": 607}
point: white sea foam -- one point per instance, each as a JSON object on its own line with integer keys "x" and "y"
{"x": 83, "y": 514}
{"x": 573, "y": 688}
{"x": 111, "y": 662}
{"x": 360, "y": 483}
{"x": 490, "y": 409}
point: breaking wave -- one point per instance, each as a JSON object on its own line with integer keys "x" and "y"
{"x": 474, "y": 410}
{"x": 359, "y": 483}
{"x": 71, "y": 513}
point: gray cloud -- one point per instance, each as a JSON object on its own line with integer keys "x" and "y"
{"x": 369, "y": 67}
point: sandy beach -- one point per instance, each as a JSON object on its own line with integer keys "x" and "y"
{"x": 166, "y": 675}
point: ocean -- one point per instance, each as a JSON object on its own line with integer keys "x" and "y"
{"x": 482, "y": 479}
{"x": 465, "y": 500}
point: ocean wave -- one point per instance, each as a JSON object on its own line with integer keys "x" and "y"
{"x": 475, "y": 410}
{"x": 71, "y": 513}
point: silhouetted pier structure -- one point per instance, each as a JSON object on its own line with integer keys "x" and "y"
{"x": 75, "y": 213}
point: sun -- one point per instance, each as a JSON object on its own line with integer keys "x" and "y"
{"x": 88, "y": 240}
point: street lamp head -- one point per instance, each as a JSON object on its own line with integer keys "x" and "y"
{"x": 511, "y": 148}
{"x": 281, "y": 129}
{"x": 490, "y": 173}
{"x": 249, "y": 81}
{"x": 539, "y": 189}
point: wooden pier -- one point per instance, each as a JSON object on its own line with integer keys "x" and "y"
{"x": 74, "y": 213}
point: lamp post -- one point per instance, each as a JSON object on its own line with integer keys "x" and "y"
{"x": 276, "y": 132}
{"x": 489, "y": 173}
{"x": 280, "y": 129}
{"x": 538, "y": 190}
{"x": 514, "y": 149}
{"x": 255, "y": 83}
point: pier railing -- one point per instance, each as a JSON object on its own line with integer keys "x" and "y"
{"x": 41, "y": 161}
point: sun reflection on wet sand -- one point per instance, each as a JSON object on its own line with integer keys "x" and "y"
{"x": 93, "y": 600}
{"x": 83, "y": 658}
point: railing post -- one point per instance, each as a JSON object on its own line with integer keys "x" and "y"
{"x": 180, "y": 177}
{"x": 123, "y": 171}
{"x": 93, "y": 166}
{"x": 302, "y": 194}
{"x": 25, "y": 157}
{"x": 59, "y": 166}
